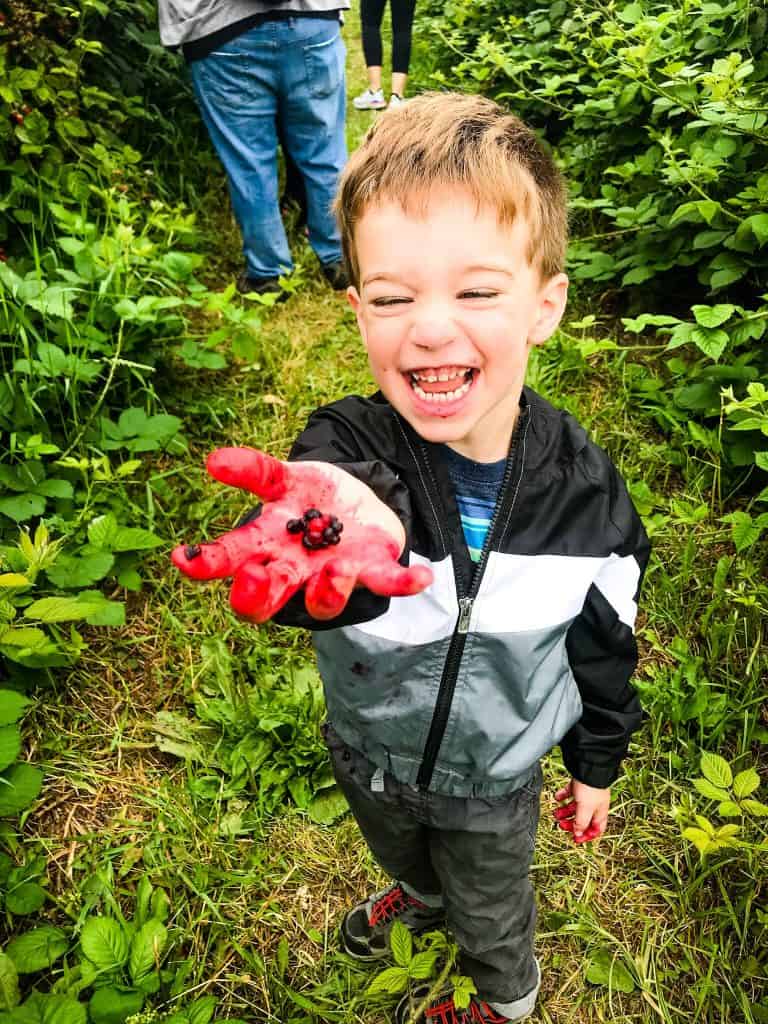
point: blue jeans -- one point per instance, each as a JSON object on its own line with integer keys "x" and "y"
{"x": 290, "y": 70}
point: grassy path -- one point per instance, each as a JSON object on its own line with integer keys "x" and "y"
{"x": 255, "y": 899}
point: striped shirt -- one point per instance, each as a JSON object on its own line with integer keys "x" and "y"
{"x": 477, "y": 487}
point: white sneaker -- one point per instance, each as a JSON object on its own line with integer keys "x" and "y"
{"x": 395, "y": 101}
{"x": 371, "y": 99}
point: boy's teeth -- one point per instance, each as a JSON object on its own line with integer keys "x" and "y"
{"x": 442, "y": 396}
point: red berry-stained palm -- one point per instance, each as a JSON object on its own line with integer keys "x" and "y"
{"x": 269, "y": 562}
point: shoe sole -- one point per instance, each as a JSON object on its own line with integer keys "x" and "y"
{"x": 369, "y": 106}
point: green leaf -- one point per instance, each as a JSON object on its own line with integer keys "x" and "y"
{"x": 401, "y": 943}
{"x": 700, "y": 839}
{"x": 104, "y": 942}
{"x": 604, "y": 969}
{"x": 328, "y": 806}
{"x": 392, "y": 980}
{"x": 26, "y": 898}
{"x": 746, "y": 782}
{"x": 10, "y": 745}
{"x": 9, "y": 983}
{"x": 58, "y": 609}
{"x": 728, "y": 809}
{"x": 709, "y": 791}
{"x": 37, "y": 949}
{"x": 713, "y": 316}
{"x": 12, "y": 706}
{"x": 744, "y": 530}
{"x": 19, "y": 786}
{"x": 44, "y": 1008}
{"x": 717, "y": 770}
{"x": 22, "y": 507}
{"x": 755, "y": 807}
{"x": 102, "y": 530}
{"x": 54, "y": 489}
{"x": 758, "y": 225}
{"x": 132, "y": 538}
{"x": 422, "y": 965}
{"x": 201, "y": 1011}
{"x": 146, "y": 949}
{"x": 712, "y": 342}
{"x": 72, "y": 573}
{"x": 113, "y": 1004}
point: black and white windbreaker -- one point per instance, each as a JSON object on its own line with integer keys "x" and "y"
{"x": 460, "y": 689}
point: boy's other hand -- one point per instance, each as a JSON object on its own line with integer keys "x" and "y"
{"x": 586, "y": 812}
{"x": 319, "y": 528}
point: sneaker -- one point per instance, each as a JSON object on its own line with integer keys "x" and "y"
{"x": 443, "y": 1011}
{"x": 371, "y": 99}
{"x": 260, "y": 285}
{"x": 395, "y": 101}
{"x": 365, "y": 928}
{"x": 336, "y": 276}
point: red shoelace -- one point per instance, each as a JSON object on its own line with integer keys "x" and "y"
{"x": 475, "y": 1013}
{"x": 391, "y": 904}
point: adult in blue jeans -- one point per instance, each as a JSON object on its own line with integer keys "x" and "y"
{"x": 257, "y": 68}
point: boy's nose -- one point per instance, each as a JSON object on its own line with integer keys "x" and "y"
{"x": 433, "y": 332}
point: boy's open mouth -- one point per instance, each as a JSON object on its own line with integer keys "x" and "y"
{"x": 441, "y": 384}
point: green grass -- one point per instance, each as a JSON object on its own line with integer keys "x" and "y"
{"x": 256, "y": 910}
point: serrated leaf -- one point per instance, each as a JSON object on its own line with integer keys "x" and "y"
{"x": 58, "y": 609}
{"x": 104, "y": 942}
{"x": 699, "y": 838}
{"x": 9, "y": 983}
{"x": 22, "y": 507}
{"x": 713, "y": 316}
{"x": 755, "y": 807}
{"x": 709, "y": 791}
{"x": 746, "y": 782}
{"x": 728, "y": 809}
{"x": 744, "y": 530}
{"x": 133, "y": 538}
{"x": 727, "y": 832}
{"x": 37, "y": 949}
{"x": 19, "y": 786}
{"x": 12, "y": 706}
{"x": 101, "y": 531}
{"x": 146, "y": 949}
{"x": 712, "y": 342}
{"x": 422, "y": 965}
{"x": 10, "y": 745}
{"x": 401, "y": 943}
{"x": 14, "y": 579}
{"x": 717, "y": 770}
{"x": 392, "y": 980}
{"x": 72, "y": 573}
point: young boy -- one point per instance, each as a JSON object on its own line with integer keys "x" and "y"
{"x": 441, "y": 703}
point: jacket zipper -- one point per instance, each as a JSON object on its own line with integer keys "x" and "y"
{"x": 458, "y": 640}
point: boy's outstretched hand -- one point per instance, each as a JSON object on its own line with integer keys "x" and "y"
{"x": 586, "y": 812}
{"x": 319, "y": 528}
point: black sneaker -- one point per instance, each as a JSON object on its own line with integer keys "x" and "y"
{"x": 336, "y": 276}
{"x": 442, "y": 1010}
{"x": 365, "y": 928}
{"x": 260, "y": 285}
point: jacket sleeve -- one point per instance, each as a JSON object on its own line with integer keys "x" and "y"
{"x": 603, "y": 653}
{"x": 329, "y": 438}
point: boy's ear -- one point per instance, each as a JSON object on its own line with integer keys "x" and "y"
{"x": 353, "y": 298}
{"x": 551, "y": 306}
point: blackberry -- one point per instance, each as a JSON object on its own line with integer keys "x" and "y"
{"x": 295, "y": 526}
{"x": 192, "y": 551}
{"x": 312, "y": 513}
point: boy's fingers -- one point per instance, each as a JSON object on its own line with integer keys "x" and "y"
{"x": 250, "y": 469}
{"x": 564, "y": 793}
{"x": 390, "y": 579}
{"x": 327, "y": 592}
{"x": 258, "y": 591}
{"x": 220, "y": 558}
{"x": 565, "y": 812}
{"x": 592, "y": 831}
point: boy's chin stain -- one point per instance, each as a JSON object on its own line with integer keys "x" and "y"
{"x": 360, "y": 669}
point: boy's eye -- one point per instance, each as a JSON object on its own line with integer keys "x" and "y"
{"x": 478, "y": 293}
{"x": 389, "y": 300}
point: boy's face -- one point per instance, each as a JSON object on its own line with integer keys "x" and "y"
{"x": 449, "y": 309}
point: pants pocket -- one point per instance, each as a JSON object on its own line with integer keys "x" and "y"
{"x": 324, "y": 65}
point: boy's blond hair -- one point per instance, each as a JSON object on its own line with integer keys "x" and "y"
{"x": 457, "y": 140}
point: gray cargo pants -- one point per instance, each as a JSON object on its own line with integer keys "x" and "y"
{"x": 474, "y": 853}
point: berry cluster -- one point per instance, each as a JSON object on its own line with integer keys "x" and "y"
{"x": 319, "y": 531}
